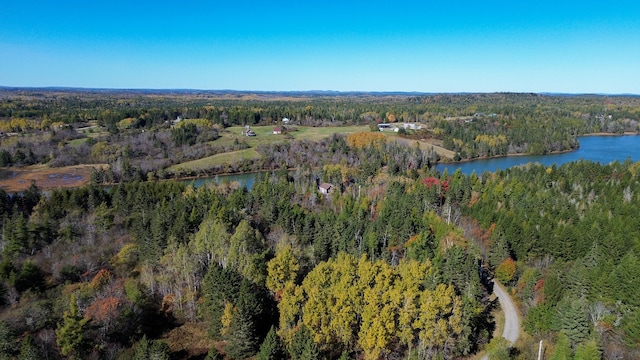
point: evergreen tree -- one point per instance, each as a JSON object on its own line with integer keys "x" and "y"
{"x": 553, "y": 289}
{"x": 242, "y": 341}
{"x": 30, "y": 277}
{"x": 18, "y": 237}
{"x": 302, "y": 346}
{"x": 572, "y": 319}
{"x": 213, "y": 354}
{"x": 563, "y": 348}
{"x": 588, "y": 351}
{"x": 271, "y": 348}
{"x": 631, "y": 327}
{"x": 29, "y": 350}
{"x": 219, "y": 288}
{"x": 243, "y": 337}
{"x": 151, "y": 350}
{"x": 7, "y": 340}
{"x": 627, "y": 279}
{"x": 142, "y": 349}
{"x": 71, "y": 331}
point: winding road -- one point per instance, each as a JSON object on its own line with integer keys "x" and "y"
{"x": 511, "y": 319}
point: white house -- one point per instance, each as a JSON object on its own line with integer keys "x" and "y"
{"x": 325, "y": 188}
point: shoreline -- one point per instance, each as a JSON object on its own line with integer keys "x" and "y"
{"x": 627, "y": 133}
{"x": 21, "y": 178}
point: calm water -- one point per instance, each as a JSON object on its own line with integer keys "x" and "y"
{"x": 244, "y": 179}
{"x": 602, "y": 149}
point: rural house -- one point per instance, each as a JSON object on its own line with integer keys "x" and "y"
{"x": 325, "y": 188}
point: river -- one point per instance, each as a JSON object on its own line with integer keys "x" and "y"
{"x": 602, "y": 149}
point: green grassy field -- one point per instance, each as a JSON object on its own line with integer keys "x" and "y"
{"x": 218, "y": 159}
{"x": 264, "y": 135}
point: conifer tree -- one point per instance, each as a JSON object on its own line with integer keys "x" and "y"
{"x": 588, "y": 351}
{"x": 71, "y": 332}
{"x": 242, "y": 341}
{"x": 573, "y": 320}
{"x": 631, "y": 327}
{"x": 243, "y": 337}
{"x": 7, "y": 340}
{"x": 29, "y": 350}
{"x": 213, "y": 354}
{"x": 219, "y": 288}
{"x": 302, "y": 346}
{"x": 271, "y": 348}
{"x": 563, "y": 348}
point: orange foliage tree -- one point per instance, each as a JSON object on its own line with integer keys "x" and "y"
{"x": 100, "y": 280}
{"x": 506, "y": 270}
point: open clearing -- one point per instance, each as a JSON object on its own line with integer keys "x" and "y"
{"x": 46, "y": 178}
{"x": 264, "y": 135}
{"x": 427, "y": 145}
{"x": 218, "y": 159}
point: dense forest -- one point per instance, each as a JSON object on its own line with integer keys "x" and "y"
{"x": 569, "y": 237}
{"x": 98, "y": 273}
{"x": 395, "y": 262}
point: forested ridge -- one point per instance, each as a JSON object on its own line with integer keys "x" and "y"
{"x": 395, "y": 262}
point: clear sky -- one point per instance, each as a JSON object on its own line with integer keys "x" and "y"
{"x": 426, "y": 46}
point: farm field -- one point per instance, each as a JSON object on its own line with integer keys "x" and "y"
{"x": 264, "y": 135}
{"x": 218, "y": 159}
{"x": 426, "y": 145}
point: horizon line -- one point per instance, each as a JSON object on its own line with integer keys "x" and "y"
{"x": 316, "y": 91}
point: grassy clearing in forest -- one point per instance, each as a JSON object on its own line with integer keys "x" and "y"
{"x": 218, "y": 159}
{"x": 264, "y": 135}
{"x": 427, "y": 145}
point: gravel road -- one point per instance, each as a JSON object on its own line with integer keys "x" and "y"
{"x": 511, "y": 319}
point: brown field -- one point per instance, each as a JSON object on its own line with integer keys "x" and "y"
{"x": 46, "y": 178}
{"x": 189, "y": 340}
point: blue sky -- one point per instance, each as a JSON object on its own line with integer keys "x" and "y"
{"x": 444, "y": 46}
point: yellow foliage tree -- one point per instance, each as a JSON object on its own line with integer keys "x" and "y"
{"x": 371, "y": 305}
{"x": 366, "y": 139}
{"x": 281, "y": 269}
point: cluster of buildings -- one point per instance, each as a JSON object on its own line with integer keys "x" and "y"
{"x": 397, "y": 126}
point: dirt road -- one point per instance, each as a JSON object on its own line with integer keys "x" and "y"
{"x": 511, "y": 319}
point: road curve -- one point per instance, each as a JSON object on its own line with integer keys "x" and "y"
{"x": 511, "y": 319}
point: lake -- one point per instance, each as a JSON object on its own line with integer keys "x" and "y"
{"x": 244, "y": 179}
{"x": 601, "y": 149}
